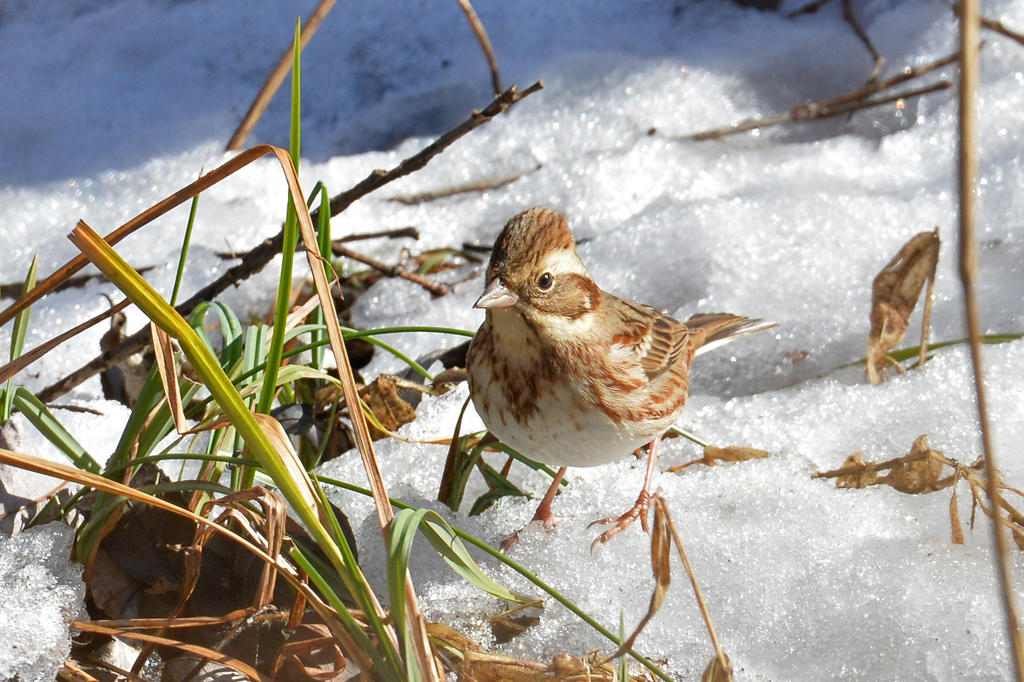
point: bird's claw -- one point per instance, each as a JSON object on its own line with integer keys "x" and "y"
{"x": 639, "y": 510}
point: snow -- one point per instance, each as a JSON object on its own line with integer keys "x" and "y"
{"x": 111, "y": 105}
{"x": 42, "y": 593}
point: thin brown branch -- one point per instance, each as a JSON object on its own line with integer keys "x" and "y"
{"x": 996, "y": 26}
{"x": 968, "y": 172}
{"x": 14, "y": 366}
{"x": 400, "y": 233}
{"x": 276, "y": 77}
{"x": 256, "y": 259}
{"x": 14, "y": 290}
{"x": 722, "y": 658}
{"x": 476, "y": 186}
{"x": 810, "y": 112}
{"x": 804, "y": 112}
{"x": 485, "y": 43}
{"x": 379, "y": 178}
{"x": 872, "y": 467}
{"x": 851, "y": 18}
{"x": 435, "y": 288}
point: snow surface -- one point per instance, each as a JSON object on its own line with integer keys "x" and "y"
{"x": 42, "y": 593}
{"x": 111, "y": 105}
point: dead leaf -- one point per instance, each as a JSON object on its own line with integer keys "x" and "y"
{"x": 718, "y": 670}
{"x": 856, "y": 480}
{"x": 733, "y": 453}
{"x": 919, "y": 473}
{"x": 167, "y": 368}
{"x": 954, "y": 515}
{"x": 390, "y": 409}
{"x": 894, "y": 295}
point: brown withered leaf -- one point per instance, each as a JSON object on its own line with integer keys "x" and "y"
{"x": 894, "y": 295}
{"x": 954, "y": 515}
{"x": 505, "y": 628}
{"x": 919, "y": 473}
{"x": 484, "y": 667}
{"x": 861, "y": 479}
{"x": 391, "y": 410}
{"x": 717, "y": 671}
{"x": 733, "y": 453}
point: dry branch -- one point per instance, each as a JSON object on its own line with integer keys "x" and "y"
{"x": 277, "y": 76}
{"x": 476, "y": 186}
{"x": 435, "y": 288}
{"x": 810, "y": 112}
{"x": 485, "y": 44}
{"x": 807, "y": 111}
{"x": 970, "y": 69}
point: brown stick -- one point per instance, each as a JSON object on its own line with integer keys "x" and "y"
{"x": 871, "y": 467}
{"x": 14, "y": 366}
{"x": 276, "y": 77}
{"x": 379, "y": 178}
{"x": 995, "y": 26}
{"x": 435, "y": 288}
{"x": 485, "y": 43}
{"x": 968, "y": 173}
{"x": 836, "y": 105}
{"x": 256, "y": 259}
{"x": 851, "y": 18}
{"x": 475, "y": 186}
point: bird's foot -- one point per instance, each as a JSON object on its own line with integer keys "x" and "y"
{"x": 639, "y": 510}
{"x": 547, "y": 520}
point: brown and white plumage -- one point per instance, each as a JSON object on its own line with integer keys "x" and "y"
{"x": 571, "y": 375}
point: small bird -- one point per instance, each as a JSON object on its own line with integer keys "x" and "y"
{"x": 570, "y": 375}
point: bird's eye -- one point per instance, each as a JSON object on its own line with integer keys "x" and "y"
{"x": 546, "y": 281}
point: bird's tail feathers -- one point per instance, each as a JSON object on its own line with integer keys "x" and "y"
{"x": 711, "y": 330}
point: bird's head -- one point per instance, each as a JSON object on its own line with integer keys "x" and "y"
{"x": 535, "y": 272}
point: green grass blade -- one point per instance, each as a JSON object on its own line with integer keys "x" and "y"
{"x": 18, "y": 339}
{"x": 43, "y": 420}
{"x": 184, "y": 247}
{"x": 323, "y": 236}
{"x": 447, "y": 543}
{"x": 402, "y": 533}
{"x": 291, "y": 235}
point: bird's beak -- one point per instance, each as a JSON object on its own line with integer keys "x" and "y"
{"x": 496, "y": 296}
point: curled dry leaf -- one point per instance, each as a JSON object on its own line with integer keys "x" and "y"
{"x": 387, "y": 405}
{"x": 894, "y": 294}
{"x": 860, "y": 479}
{"x": 920, "y": 471}
{"x": 717, "y": 671}
{"x": 733, "y": 453}
{"x": 915, "y": 473}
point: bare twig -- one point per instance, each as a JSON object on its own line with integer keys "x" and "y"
{"x": 13, "y": 367}
{"x": 14, "y": 290}
{"x": 476, "y": 186}
{"x": 485, "y": 44}
{"x": 256, "y": 259}
{"x": 400, "y": 233}
{"x": 435, "y": 288}
{"x": 379, "y": 178}
{"x": 968, "y": 172}
{"x": 995, "y": 26}
{"x": 276, "y": 77}
{"x": 854, "y": 23}
{"x": 826, "y": 109}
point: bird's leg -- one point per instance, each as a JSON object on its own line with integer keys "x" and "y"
{"x": 639, "y": 509}
{"x": 543, "y": 513}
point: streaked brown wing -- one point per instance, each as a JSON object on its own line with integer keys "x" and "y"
{"x": 658, "y": 339}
